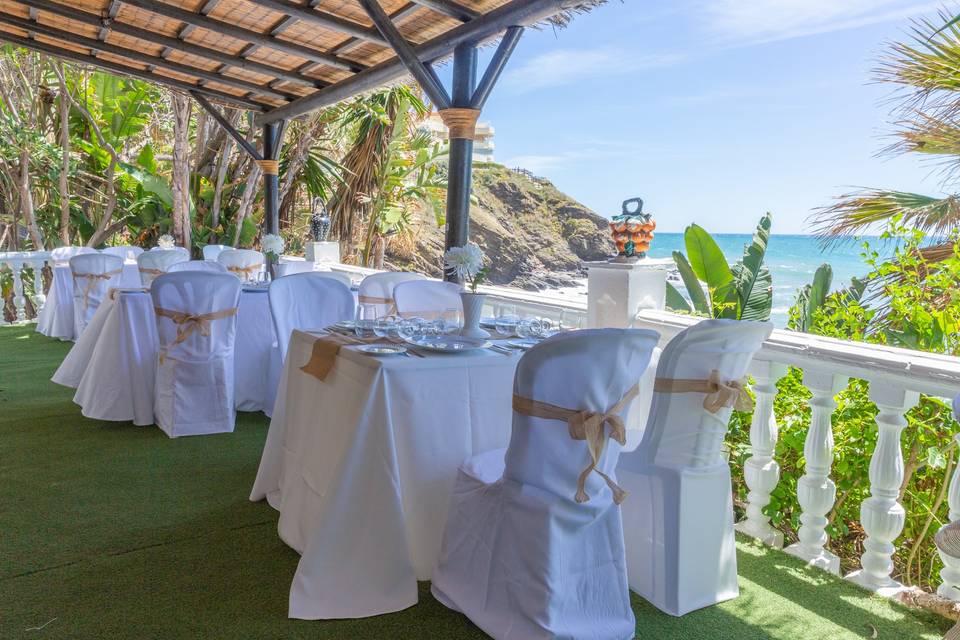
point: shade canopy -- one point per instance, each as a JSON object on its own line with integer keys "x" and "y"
{"x": 281, "y": 58}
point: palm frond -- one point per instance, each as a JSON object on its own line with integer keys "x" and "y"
{"x": 856, "y": 213}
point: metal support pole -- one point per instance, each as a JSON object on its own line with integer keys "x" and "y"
{"x": 271, "y": 181}
{"x": 461, "y": 150}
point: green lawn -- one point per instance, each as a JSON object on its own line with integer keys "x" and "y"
{"x": 114, "y": 531}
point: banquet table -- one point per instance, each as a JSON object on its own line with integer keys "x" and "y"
{"x": 113, "y": 364}
{"x": 56, "y": 317}
{"x": 361, "y": 467}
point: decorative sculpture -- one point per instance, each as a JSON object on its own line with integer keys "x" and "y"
{"x": 319, "y": 220}
{"x": 632, "y": 231}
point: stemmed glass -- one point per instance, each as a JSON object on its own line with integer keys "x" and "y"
{"x": 506, "y": 320}
{"x": 451, "y": 321}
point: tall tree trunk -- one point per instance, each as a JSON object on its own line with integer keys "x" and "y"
{"x": 26, "y": 200}
{"x": 246, "y": 203}
{"x": 65, "y": 162}
{"x": 182, "y": 107}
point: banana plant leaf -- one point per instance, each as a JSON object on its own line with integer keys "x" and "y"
{"x": 752, "y": 285}
{"x": 675, "y": 300}
{"x": 759, "y": 303}
{"x": 690, "y": 281}
{"x": 707, "y": 261}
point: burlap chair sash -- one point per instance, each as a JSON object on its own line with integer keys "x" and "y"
{"x": 92, "y": 279}
{"x": 589, "y": 426}
{"x": 377, "y": 300}
{"x": 719, "y": 394}
{"x": 325, "y": 351}
{"x": 247, "y": 270}
{"x": 187, "y": 323}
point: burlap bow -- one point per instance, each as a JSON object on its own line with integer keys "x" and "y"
{"x": 719, "y": 393}
{"x": 589, "y": 426}
{"x": 251, "y": 268}
{"x": 92, "y": 279}
{"x": 187, "y": 323}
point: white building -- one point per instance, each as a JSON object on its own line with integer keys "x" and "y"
{"x": 482, "y": 146}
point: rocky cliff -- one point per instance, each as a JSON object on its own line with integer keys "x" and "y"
{"x": 535, "y": 236}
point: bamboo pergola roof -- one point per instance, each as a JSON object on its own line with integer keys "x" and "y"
{"x": 281, "y": 58}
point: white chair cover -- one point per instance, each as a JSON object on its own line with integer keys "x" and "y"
{"x": 211, "y": 251}
{"x": 288, "y": 268}
{"x": 243, "y": 263}
{"x": 194, "y": 384}
{"x": 156, "y": 262}
{"x": 173, "y": 248}
{"x": 521, "y": 558}
{"x": 379, "y": 287}
{"x": 197, "y": 265}
{"x": 62, "y": 255}
{"x": 426, "y": 297}
{"x": 678, "y": 521}
{"x": 94, "y": 274}
{"x": 307, "y": 301}
{"x": 127, "y": 252}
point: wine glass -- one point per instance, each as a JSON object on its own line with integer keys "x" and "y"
{"x": 407, "y": 330}
{"x": 526, "y": 328}
{"x": 452, "y": 321}
{"x": 383, "y": 326}
{"x": 366, "y": 320}
{"x": 571, "y": 319}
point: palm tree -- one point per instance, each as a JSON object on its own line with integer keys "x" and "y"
{"x": 927, "y": 77}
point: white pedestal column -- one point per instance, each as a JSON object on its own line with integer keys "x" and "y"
{"x": 617, "y": 291}
{"x": 322, "y": 251}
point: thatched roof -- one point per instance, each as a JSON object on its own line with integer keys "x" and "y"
{"x": 264, "y": 55}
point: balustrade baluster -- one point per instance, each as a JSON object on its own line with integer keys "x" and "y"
{"x": 38, "y": 297}
{"x": 816, "y": 492}
{"x": 950, "y": 574}
{"x": 761, "y": 471}
{"x": 881, "y": 515}
{"x": 3, "y": 319}
{"x": 19, "y": 302}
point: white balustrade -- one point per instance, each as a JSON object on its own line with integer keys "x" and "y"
{"x": 761, "y": 471}
{"x": 816, "y": 491}
{"x": 16, "y": 261}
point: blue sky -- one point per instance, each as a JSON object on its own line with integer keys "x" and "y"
{"x": 713, "y": 111}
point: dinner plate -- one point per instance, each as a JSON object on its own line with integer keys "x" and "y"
{"x": 450, "y": 344}
{"x": 382, "y": 349}
{"x": 522, "y": 344}
{"x": 346, "y": 324}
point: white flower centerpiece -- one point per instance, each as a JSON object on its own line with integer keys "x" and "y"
{"x": 166, "y": 241}
{"x": 272, "y": 245}
{"x": 467, "y": 264}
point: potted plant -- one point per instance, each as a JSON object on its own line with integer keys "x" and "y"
{"x": 467, "y": 264}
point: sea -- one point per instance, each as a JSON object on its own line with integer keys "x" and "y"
{"x": 792, "y": 260}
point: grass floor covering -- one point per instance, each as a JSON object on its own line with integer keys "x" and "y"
{"x": 109, "y": 530}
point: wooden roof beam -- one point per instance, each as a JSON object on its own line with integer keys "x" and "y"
{"x": 400, "y": 14}
{"x": 450, "y": 8}
{"x": 172, "y": 43}
{"x": 115, "y": 67}
{"x": 139, "y": 56}
{"x": 240, "y": 33}
{"x": 323, "y": 19}
{"x": 486, "y": 27}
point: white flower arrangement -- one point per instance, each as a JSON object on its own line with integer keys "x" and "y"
{"x": 272, "y": 245}
{"x": 166, "y": 241}
{"x": 466, "y": 263}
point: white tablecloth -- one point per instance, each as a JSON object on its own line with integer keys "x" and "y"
{"x": 56, "y": 316}
{"x": 113, "y": 364}
{"x": 361, "y": 467}
{"x": 256, "y": 359}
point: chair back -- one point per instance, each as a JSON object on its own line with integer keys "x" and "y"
{"x": 590, "y": 370}
{"x": 426, "y": 298}
{"x": 211, "y": 251}
{"x": 129, "y": 253}
{"x": 378, "y": 289}
{"x": 307, "y": 301}
{"x": 61, "y": 255}
{"x": 204, "y": 307}
{"x": 173, "y": 248}
{"x": 290, "y": 267}
{"x": 94, "y": 274}
{"x": 680, "y": 431}
{"x": 197, "y": 265}
{"x": 154, "y": 263}
{"x": 243, "y": 263}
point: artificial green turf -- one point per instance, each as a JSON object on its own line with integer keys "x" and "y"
{"x": 114, "y": 531}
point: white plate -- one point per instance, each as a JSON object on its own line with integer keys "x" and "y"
{"x": 522, "y": 344}
{"x": 346, "y": 324}
{"x": 450, "y": 344}
{"x": 382, "y": 349}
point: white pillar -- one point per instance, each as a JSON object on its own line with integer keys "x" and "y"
{"x": 617, "y": 291}
{"x": 881, "y": 515}
{"x": 950, "y": 574}
{"x": 761, "y": 471}
{"x": 19, "y": 302}
{"x": 816, "y": 492}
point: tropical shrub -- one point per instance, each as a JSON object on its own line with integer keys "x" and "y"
{"x": 742, "y": 291}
